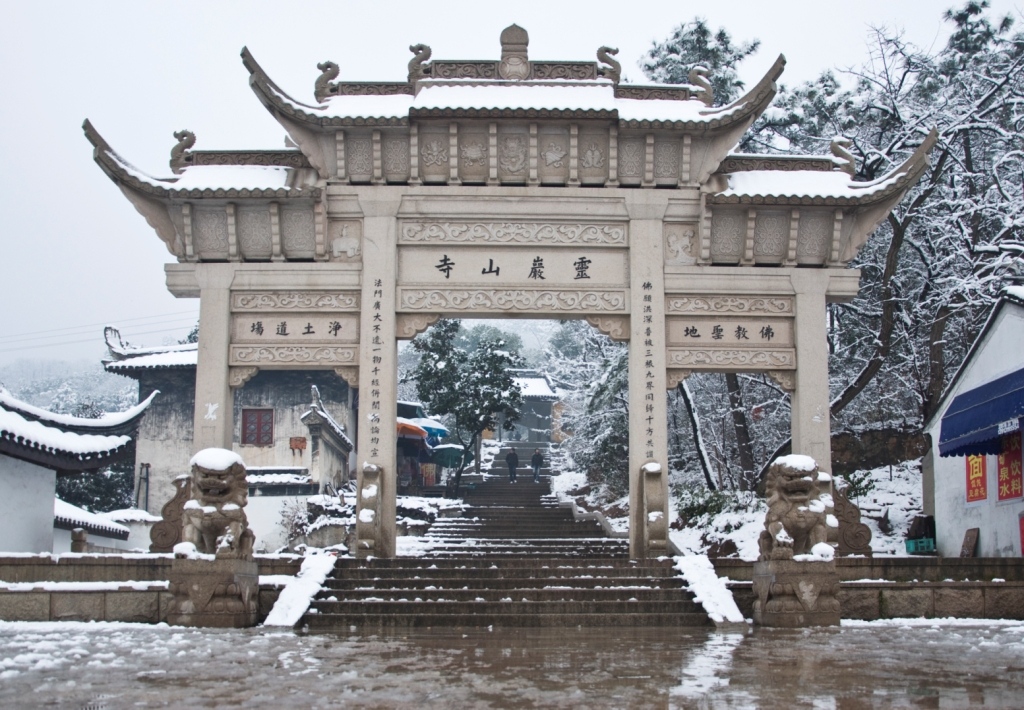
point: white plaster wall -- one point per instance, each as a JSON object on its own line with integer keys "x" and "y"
{"x": 1001, "y": 353}
{"x": 26, "y": 506}
{"x": 264, "y": 514}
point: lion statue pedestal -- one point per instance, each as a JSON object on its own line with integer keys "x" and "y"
{"x": 214, "y": 579}
{"x": 795, "y": 580}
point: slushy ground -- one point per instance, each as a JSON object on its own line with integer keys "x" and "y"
{"x": 893, "y": 664}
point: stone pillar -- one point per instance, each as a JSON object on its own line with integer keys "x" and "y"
{"x": 214, "y": 408}
{"x": 648, "y": 425}
{"x": 378, "y": 372}
{"x": 811, "y": 423}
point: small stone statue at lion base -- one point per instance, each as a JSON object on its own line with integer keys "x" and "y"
{"x": 795, "y": 582}
{"x": 214, "y": 580}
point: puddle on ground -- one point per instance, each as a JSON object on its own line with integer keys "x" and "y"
{"x": 867, "y": 666}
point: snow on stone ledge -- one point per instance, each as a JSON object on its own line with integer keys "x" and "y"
{"x": 797, "y": 461}
{"x": 296, "y": 596}
{"x": 708, "y": 589}
{"x": 216, "y": 459}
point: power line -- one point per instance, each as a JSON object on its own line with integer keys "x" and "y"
{"x": 194, "y": 314}
{"x": 74, "y": 342}
{"x": 8, "y": 340}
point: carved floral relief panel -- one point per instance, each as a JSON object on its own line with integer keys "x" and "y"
{"x": 814, "y": 236}
{"x": 771, "y": 237}
{"x": 210, "y": 233}
{"x": 294, "y": 301}
{"x": 592, "y": 164}
{"x": 771, "y": 306}
{"x": 456, "y": 232}
{"x": 502, "y": 300}
{"x": 359, "y": 157}
{"x": 749, "y": 360}
{"x": 553, "y": 155}
{"x": 666, "y": 162}
{"x": 434, "y": 146}
{"x": 395, "y": 157}
{"x": 252, "y": 226}
{"x": 513, "y": 154}
{"x": 298, "y": 232}
{"x": 474, "y": 154}
{"x": 632, "y": 154}
{"x": 728, "y": 235}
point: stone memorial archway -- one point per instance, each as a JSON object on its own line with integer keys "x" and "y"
{"x": 511, "y": 188}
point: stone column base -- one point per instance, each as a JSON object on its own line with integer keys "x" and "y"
{"x": 214, "y": 593}
{"x": 791, "y": 594}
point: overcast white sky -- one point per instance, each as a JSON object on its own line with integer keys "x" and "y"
{"x": 76, "y": 255}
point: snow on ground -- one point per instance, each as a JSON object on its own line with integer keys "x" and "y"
{"x": 300, "y": 590}
{"x": 901, "y": 497}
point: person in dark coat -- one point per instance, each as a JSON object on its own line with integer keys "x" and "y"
{"x": 512, "y": 459}
{"x": 537, "y": 461}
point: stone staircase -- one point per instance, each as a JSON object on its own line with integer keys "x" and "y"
{"x": 516, "y": 558}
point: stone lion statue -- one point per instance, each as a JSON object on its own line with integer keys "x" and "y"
{"x": 214, "y": 519}
{"x": 798, "y": 511}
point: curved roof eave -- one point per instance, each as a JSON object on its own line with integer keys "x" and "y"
{"x": 282, "y": 105}
{"x": 126, "y": 175}
{"x": 894, "y": 184}
{"x": 744, "y": 109}
{"x": 110, "y": 424}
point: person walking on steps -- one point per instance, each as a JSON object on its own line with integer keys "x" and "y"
{"x": 537, "y": 461}
{"x": 512, "y": 459}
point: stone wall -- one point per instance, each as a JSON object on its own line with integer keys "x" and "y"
{"x": 853, "y": 451}
{"x": 165, "y": 434}
{"x": 901, "y": 569}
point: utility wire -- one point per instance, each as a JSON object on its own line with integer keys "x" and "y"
{"x": 40, "y": 346}
{"x": 88, "y": 329}
{"x": 193, "y": 313}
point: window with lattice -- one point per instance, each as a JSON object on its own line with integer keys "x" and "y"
{"x": 258, "y": 427}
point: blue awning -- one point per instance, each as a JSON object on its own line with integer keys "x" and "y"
{"x": 977, "y": 418}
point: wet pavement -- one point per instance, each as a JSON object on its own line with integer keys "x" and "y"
{"x": 916, "y": 664}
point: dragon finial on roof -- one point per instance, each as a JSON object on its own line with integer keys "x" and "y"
{"x": 322, "y": 89}
{"x": 698, "y": 76}
{"x": 180, "y": 153}
{"x": 418, "y": 67}
{"x": 609, "y": 67}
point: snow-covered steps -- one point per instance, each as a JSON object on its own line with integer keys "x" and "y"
{"x": 503, "y": 591}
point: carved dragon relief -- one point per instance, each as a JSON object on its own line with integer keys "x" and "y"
{"x": 609, "y": 68}
{"x": 698, "y": 76}
{"x": 322, "y": 88}
{"x": 418, "y": 66}
{"x": 615, "y": 327}
{"x": 409, "y": 325}
{"x": 180, "y": 153}
{"x": 840, "y": 148}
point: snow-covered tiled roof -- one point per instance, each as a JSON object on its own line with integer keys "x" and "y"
{"x": 479, "y": 97}
{"x": 128, "y": 358}
{"x": 68, "y": 516}
{"x": 65, "y": 443}
{"x": 205, "y": 180}
{"x": 317, "y": 411}
{"x": 535, "y": 386}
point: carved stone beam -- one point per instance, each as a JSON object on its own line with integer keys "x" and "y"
{"x": 786, "y": 379}
{"x": 238, "y": 376}
{"x": 615, "y": 327}
{"x": 349, "y": 374}
{"x": 674, "y": 377}
{"x": 409, "y": 325}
